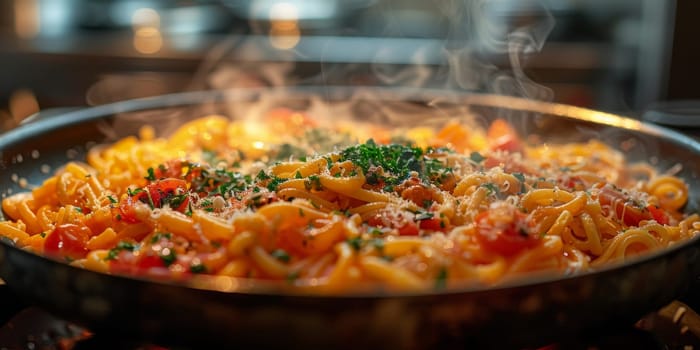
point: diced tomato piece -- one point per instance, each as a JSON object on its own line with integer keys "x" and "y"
{"x": 658, "y": 214}
{"x": 390, "y": 219}
{"x": 492, "y": 162}
{"x": 124, "y": 263}
{"x": 164, "y": 188}
{"x": 409, "y": 229}
{"x": 292, "y": 240}
{"x": 572, "y": 182}
{"x": 172, "y": 168}
{"x": 502, "y": 136}
{"x": 419, "y": 194}
{"x": 625, "y": 208}
{"x": 126, "y": 211}
{"x": 507, "y": 143}
{"x": 505, "y": 238}
{"x": 68, "y": 241}
{"x": 155, "y": 194}
{"x": 432, "y": 224}
{"x": 146, "y": 263}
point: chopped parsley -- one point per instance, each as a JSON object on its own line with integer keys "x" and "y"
{"x": 160, "y": 235}
{"x": 274, "y": 182}
{"x": 151, "y": 175}
{"x": 476, "y": 157}
{"x": 355, "y": 243}
{"x": 207, "y": 204}
{"x": 198, "y": 268}
{"x": 133, "y": 192}
{"x": 313, "y": 182}
{"x": 209, "y": 156}
{"x": 176, "y": 200}
{"x": 378, "y": 243}
{"x": 168, "y": 256}
{"x": 292, "y": 276}
{"x": 520, "y": 178}
{"x": 441, "y": 279}
{"x": 262, "y": 176}
{"x": 281, "y": 255}
{"x": 122, "y": 245}
{"x": 395, "y": 159}
{"x": 424, "y": 216}
{"x": 491, "y": 188}
{"x": 376, "y": 232}
{"x": 389, "y": 165}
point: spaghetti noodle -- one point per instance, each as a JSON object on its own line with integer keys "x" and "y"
{"x": 433, "y": 209}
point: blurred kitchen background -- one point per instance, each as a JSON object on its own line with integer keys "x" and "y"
{"x": 615, "y": 55}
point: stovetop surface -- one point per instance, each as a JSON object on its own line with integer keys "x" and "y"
{"x": 675, "y": 326}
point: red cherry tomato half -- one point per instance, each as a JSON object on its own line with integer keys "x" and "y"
{"x": 409, "y": 229}
{"x": 162, "y": 189}
{"x": 172, "y": 168}
{"x": 626, "y": 209}
{"x": 126, "y": 211}
{"x": 147, "y": 263}
{"x": 507, "y": 238}
{"x": 67, "y": 241}
{"x": 658, "y": 214}
{"x": 404, "y": 225}
{"x": 433, "y": 224}
{"x": 156, "y": 194}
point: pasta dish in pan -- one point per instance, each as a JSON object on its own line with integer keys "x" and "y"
{"x": 354, "y": 205}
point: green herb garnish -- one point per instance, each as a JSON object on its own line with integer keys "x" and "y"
{"x": 151, "y": 175}
{"x": 198, "y": 268}
{"x": 355, "y": 243}
{"x": 441, "y": 279}
{"x": 122, "y": 245}
{"x": 168, "y": 256}
{"x": 476, "y": 157}
{"x": 281, "y": 255}
{"x": 160, "y": 235}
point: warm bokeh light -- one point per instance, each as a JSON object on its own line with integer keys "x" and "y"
{"x": 27, "y": 18}
{"x": 284, "y": 39}
{"x": 284, "y": 31}
{"x": 148, "y": 40}
{"x": 23, "y": 103}
{"x": 147, "y": 36}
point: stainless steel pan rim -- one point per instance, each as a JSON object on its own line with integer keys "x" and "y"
{"x": 34, "y": 127}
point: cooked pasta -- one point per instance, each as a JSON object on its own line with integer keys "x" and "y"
{"x": 339, "y": 209}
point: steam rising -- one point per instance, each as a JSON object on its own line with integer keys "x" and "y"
{"x": 481, "y": 31}
{"x": 485, "y": 49}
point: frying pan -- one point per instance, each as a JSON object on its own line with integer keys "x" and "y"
{"x": 531, "y": 311}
